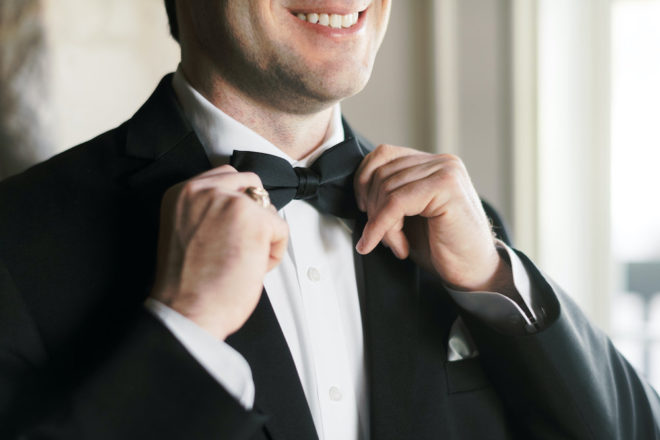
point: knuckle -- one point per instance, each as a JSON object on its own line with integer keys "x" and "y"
{"x": 241, "y": 211}
{"x": 190, "y": 188}
{"x": 450, "y": 157}
{"x": 454, "y": 163}
{"x": 389, "y": 184}
{"x": 394, "y": 202}
{"x": 226, "y": 167}
{"x": 452, "y": 172}
{"x": 386, "y": 151}
{"x": 252, "y": 176}
{"x": 216, "y": 192}
{"x": 244, "y": 203}
{"x": 361, "y": 180}
{"x": 382, "y": 148}
{"x": 380, "y": 174}
{"x": 445, "y": 180}
{"x": 236, "y": 206}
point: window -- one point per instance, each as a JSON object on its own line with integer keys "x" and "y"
{"x": 587, "y": 98}
{"x": 635, "y": 184}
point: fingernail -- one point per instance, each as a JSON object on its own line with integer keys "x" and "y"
{"x": 360, "y": 245}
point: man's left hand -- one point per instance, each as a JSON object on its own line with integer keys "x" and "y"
{"x": 424, "y": 206}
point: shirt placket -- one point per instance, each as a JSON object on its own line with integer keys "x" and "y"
{"x": 335, "y": 389}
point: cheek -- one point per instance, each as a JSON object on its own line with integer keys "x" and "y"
{"x": 209, "y": 24}
{"x": 381, "y": 23}
{"x": 256, "y": 32}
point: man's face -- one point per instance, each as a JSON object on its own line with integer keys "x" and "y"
{"x": 296, "y": 55}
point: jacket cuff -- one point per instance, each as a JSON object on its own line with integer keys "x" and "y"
{"x": 516, "y": 314}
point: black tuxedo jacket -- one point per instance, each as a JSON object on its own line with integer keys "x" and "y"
{"x": 81, "y": 358}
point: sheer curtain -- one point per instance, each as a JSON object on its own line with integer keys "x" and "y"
{"x": 635, "y": 181}
{"x": 586, "y": 89}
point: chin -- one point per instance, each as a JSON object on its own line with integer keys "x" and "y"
{"x": 308, "y": 91}
{"x": 320, "y": 99}
{"x": 338, "y": 87}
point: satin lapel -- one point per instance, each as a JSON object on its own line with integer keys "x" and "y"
{"x": 160, "y": 136}
{"x": 181, "y": 162}
{"x": 389, "y": 300}
{"x": 158, "y": 126}
{"x": 161, "y": 150}
{"x": 148, "y": 185}
{"x": 278, "y": 392}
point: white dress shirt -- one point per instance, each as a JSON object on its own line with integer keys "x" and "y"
{"x": 313, "y": 292}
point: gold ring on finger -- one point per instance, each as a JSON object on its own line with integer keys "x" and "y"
{"x": 259, "y": 195}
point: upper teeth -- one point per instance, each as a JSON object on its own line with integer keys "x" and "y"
{"x": 332, "y": 20}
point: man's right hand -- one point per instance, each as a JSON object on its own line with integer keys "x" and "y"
{"x": 214, "y": 248}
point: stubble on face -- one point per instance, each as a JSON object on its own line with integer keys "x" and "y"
{"x": 256, "y": 48}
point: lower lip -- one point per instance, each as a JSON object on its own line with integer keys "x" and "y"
{"x": 334, "y": 32}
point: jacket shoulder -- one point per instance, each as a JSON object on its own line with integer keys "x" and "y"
{"x": 61, "y": 180}
{"x": 73, "y": 161}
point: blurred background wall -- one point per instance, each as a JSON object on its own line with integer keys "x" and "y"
{"x": 107, "y": 58}
{"x": 552, "y": 104}
{"x": 24, "y": 88}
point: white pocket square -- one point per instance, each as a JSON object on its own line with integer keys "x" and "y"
{"x": 460, "y": 344}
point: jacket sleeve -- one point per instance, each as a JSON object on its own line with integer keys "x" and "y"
{"x": 566, "y": 381}
{"x": 147, "y": 386}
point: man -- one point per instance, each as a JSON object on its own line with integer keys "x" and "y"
{"x": 260, "y": 321}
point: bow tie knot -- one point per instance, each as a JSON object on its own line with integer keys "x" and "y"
{"x": 327, "y": 184}
{"x": 308, "y": 183}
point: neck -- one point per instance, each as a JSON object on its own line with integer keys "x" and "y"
{"x": 297, "y": 135}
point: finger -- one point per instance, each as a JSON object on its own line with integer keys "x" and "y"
{"x": 399, "y": 164}
{"x": 379, "y": 224}
{"x": 397, "y": 241}
{"x": 236, "y": 181}
{"x": 279, "y": 241}
{"x": 198, "y": 196}
{"x": 380, "y": 156}
{"x": 380, "y": 178}
{"x": 222, "y": 169}
{"x": 393, "y": 174}
{"x": 405, "y": 170}
{"x": 228, "y": 181}
{"x": 397, "y": 176}
{"x": 419, "y": 197}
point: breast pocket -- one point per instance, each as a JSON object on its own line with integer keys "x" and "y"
{"x": 476, "y": 411}
{"x": 465, "y": 375}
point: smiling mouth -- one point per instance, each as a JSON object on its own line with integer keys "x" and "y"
{"x": 334, "y": 21}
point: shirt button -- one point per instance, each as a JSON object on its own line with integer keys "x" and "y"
{"x": 313, "y": 274}
{"x": 335, "y": 394}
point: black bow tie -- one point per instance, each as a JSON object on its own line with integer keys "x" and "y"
{"x": 327, "y": 184}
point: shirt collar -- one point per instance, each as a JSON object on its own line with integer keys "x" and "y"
{"x": 220, "y": 134}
